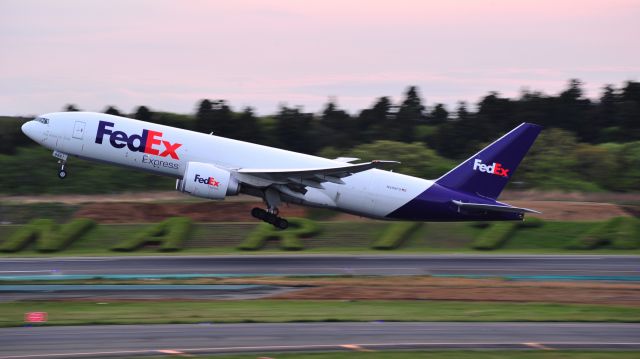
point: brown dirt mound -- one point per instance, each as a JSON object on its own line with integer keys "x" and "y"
{"x": 429, "y": 288}
{"x": 239, "y": 211}
{"x": 126, "y": 212}
{"x": 573, "y": 211}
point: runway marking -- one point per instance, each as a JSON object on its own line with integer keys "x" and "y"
{"x": 538, "y": 346}
{"x": 356, "y": 347}
{"x": 346, "y": 268}
{"x": 174, "y": 352}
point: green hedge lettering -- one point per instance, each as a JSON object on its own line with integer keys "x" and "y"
{"x": 395, "y": 234}
{"x": 495, "y": 236}
{"x": 289, "y": 239}
{"x": 170, "y": 234}
{"x": 47, "y": 235}
{"x": 619, "y": 232}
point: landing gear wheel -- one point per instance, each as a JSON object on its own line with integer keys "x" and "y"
{"x": 281, "y": 223}
{"x": 270, "y": 217}
{"x": 258, "y": 213}
{"x": 62, "y": 174}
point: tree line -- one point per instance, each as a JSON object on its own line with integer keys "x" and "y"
{"x": 614, "y": 117}
{"x": 586, "y": 145}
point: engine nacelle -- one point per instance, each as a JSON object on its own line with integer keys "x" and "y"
{"x": 207, "y": 181}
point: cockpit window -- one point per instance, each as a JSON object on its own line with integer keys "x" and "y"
{"x": 43, "y": 120}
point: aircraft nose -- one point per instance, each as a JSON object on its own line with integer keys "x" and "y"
{"x": 30, "y": 128}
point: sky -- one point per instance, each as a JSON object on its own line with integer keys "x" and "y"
{"x": 169, "y": 54}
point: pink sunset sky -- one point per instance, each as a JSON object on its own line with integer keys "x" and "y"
{"x": 169, "y": 54}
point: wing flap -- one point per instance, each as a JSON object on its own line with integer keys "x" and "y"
{"x": 341, "y": 171}
{"x": 313, "y": 176}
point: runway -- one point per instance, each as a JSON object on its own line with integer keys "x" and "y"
{"x": 569, "y": 266}
{"x": 127, "y": 340}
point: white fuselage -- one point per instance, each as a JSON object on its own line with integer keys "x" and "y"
{"x": 372, "y": 193}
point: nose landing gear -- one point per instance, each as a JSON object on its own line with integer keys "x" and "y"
{"x": 62, "y": 161}
{"x": 62, "y": 173}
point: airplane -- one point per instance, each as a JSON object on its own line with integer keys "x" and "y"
{"x": 213, "y": 167}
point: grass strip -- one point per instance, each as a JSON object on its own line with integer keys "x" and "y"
{"x": 282, "y": 311}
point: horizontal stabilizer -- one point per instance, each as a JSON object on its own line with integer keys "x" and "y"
{"x": 493, "y": 207}
{"x": 346, "y": 159}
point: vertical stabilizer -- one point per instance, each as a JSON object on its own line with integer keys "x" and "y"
{"x": 488, "y": 171}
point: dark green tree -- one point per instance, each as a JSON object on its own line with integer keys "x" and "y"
{"x": 461, "y": 112}
{"x": 339, "y": 124}
{"x": 143, "y": 114}
{"x": 439, "y": 114}
{"x": 204, "y": 117}
{"x": 222, "y": 123}
{"x": 605, "y": 116}
{"x": 410, "y": 114}
{"x": 573, "y": 112}
{"x": 376, "y": 122}
{"x": 247, "y": 127}
{"x": 112, "y": 110}
{"x": 629, "y": 110}
{"x": 292, "y": 130}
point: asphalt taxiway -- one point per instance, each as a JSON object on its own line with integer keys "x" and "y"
{"x": 612, "y": 267}
{"x": 138, "y": 340}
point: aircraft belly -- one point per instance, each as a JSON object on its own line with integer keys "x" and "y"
{"x": 393, "y": 190}
{"x": 376, "y": 193}
{"x": 353, "y": 195}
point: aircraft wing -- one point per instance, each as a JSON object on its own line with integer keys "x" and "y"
{"x": 312, "y": 177}
{"x": 493, "y": 207}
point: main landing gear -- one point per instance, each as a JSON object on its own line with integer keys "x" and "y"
{"x": 272, "y": 198}
{"x": 271, "y": 217}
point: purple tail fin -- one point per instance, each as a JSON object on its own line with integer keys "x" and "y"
{"x": 488, "y": 171}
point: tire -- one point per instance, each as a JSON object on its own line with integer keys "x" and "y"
{"x": 62, "y": 174}
{"x": 257, "y": 213}
{"x": 282, "y": 223}
{"x": 271, "y": 218}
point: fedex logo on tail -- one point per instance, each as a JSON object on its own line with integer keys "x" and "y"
{"x": 494, "y": 169}
{"x": 149, "y": 142}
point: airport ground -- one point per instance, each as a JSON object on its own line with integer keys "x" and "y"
{"x": 499, "y": 304}
{"x": 366, "y": 312}
{"x": 442, "y": 354}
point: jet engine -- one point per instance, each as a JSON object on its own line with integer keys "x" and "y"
{"x": 207, "y": 181}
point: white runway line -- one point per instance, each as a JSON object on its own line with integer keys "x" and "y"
{"x": 538, "y": 346}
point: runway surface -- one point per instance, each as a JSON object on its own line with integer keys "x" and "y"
{"x": 488, "y": 265}
{"x": 123, "y": 340}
